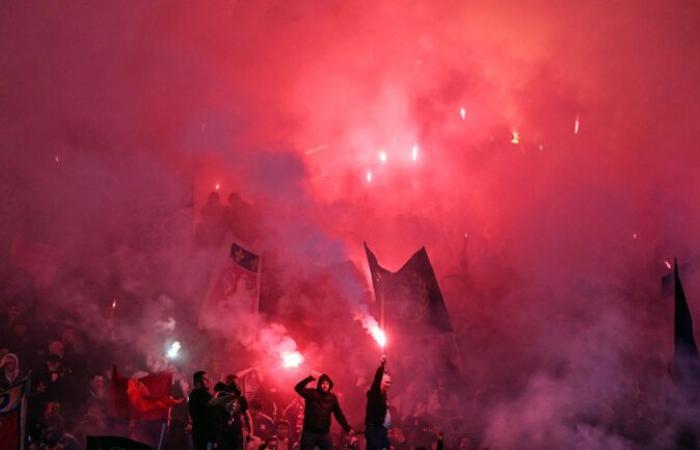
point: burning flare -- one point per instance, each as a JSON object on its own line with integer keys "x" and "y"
{"x": 291, "y": 359}
{"x": 173, "y": 350}
{"x": 373, "y": 328}
{"x": 516, "y": 137}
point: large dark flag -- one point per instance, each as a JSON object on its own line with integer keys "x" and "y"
{"x": 234, "y": 287}
{"x": 114, "y": 443}
{"x": 411, "y": 298}
{"x": 13, "y": 415}
{"x": 686, "y": 359}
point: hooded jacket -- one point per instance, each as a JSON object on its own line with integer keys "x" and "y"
{"x": 319, "y": 406}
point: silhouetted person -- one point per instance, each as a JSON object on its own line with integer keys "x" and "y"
{"x": 377, "y": 416}
{"x": 320, "y": 403}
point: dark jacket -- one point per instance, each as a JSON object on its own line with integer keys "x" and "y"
{"x": 376, "y": 400}
{"x": 319, "y": 406}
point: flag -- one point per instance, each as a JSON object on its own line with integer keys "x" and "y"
{"x": 234, "y": 287}
{"x": 686, "y": 359}
{"x": 147, "y": 398}
{"x": 119, "y": 403}
{"x": 113, "y": 443}
{"x": 150, "y": 396}
{"x": 411, "y": 298}
{"x": 13, "y": 415}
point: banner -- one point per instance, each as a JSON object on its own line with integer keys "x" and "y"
{"x": 13, "y": 416}
{"x": 234, "y": 287}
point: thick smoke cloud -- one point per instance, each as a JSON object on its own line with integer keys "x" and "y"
{"x": 118, "y": 119}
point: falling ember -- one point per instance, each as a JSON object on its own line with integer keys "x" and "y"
{"x": 382, "y": 156}
{"x": 173, "y": 350}
{"x": 56, "y": 158}
{"x": 634, "y": 235}
{"x": 462, "y": 113}
{"x": 414, "y": 153}
{"x": 668, "y": 265}
{"x": 368, "y": 176}
{"x": 114, "y": 304}
{"x": 516, "y": 138}
{"x": 292, "y": 359}
{"x": 218, "y": 186}
{"x": 577, "y": 124}
{"x": 540, "y": 147}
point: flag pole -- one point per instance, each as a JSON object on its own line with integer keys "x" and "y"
{"x": 257, "y": 295}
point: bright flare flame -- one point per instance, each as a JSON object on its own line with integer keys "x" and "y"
{"x": 577, "y": 125}
{"x": 368, "y": 176}
{"x": 173, "y": 350}
{"x": 370, "y": 324}
{"x": 516, "y": 138}
{"x": 292, "y": 359}
{"x": 462, "y": 113}
{"x": 378, "y": 335}
{"x": 218, "y": 186}
{"x": 414, "y": 153}
{"x": 382, "y": 156}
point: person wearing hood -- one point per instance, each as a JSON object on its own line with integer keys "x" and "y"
{"x": 320, "y": 403}
{"x": 9, "y": 374}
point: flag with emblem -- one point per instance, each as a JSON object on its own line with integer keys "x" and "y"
{"x": 13, "y": 415}
{"x": 234, "y": 287}
{"x": 410, "y": 299}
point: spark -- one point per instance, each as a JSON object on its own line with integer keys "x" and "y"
{"x": 577, "y": 124}
{"x": 173, "y": 350}
{"x": 516, "y": 137}
{"x": 463, "y": 113}
{"x": 414, "y": 153}
{"x": 540, "y": 147}
{"x": 218, "y": 186}
{"x": 634, "y": 235}
{"x": 292, "y": 359}
{"x": 382, "y": 156}
{"x": 668, "y": 264}
{"x": 114, "y": 304}
{"x": 368, "y": 176}
{"x": 57, "y": 159}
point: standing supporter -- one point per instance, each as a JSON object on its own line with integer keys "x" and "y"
{"x": 320, "y": 403}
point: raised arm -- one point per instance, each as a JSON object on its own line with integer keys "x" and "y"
{"x": 301, "y": 386}
{"x": 376, "y": 383}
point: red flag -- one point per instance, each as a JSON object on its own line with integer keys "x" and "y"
{"x": 146, "y": 398}
{"x": 150, "y": 396}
